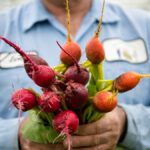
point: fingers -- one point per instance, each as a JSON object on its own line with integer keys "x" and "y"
{"x": 100, "y": 126}
{"x": 82, "y": 141}
{"x": 26, "y": 144}
{"x": 29, "y": 145}
{"x": 105, "y": 124}
{"x": 98, "y": 147}
{"x": 88, "y": 141}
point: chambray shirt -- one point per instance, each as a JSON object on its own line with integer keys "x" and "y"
{"x": 125, "y": 35}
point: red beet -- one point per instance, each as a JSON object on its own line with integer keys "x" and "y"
{"x": 49, "y": 102}
{"x": 23, "y": 99}
{"x": 36, "y": 59}
{"x": 72, "y": 73}
{"x": 127, "y": 81}
{"x": 42, "y": 75}
{"x": 105, "y": 101}
{"x": 75, "y": 73}
{"x": 76, "y": 95}
{"x": 66, "y": 123}
{"x": 67, "y": 119}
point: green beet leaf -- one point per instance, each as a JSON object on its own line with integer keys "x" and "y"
{"x": 38, "y": 130}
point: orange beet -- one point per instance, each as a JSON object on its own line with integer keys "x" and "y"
{"x": 105, "y": 101}
{"x": 95, "y": 51}
{"x": 73, "y": 49}
{"x": 94, "y": 48}
{"x": 127, "y": 81}
{"x": 70, "y": 46}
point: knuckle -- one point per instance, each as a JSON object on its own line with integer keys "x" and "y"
{"x": 115, "y": 121}
{"x": 113, "y": 146}
{"x": 97, "y": 127}
{"x": 115, "y": 136}
{"x": 101, "y": 147}
{"x": 95, "y": 140}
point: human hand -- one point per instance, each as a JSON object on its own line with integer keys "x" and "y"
{"x": 26, "y": 144}
{"x": 102, "y": 134}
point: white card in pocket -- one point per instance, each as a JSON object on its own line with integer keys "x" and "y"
{"x": 12, "y": 59}
{"x": 131, "y": 51}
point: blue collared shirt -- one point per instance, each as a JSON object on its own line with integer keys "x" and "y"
{"x": 33, "y": 28}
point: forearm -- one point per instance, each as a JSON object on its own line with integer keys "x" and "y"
{"x": 138, "y": 131}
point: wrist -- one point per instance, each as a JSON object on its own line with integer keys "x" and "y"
{"x": 123, "y": 123}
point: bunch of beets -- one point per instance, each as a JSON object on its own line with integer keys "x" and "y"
{"x": 73, "y": 93}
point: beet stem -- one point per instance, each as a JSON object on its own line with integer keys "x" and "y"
{"x": 10, "y": 107}
{"x": 68, "y": 19}
{"x": 59, "y": 74}
{"x": 75, "y": 61}
{"x": 114, "y": 94}
{"x": 19, "y": 114}
{"x": 61, "y": 134}
{"x": 68, "y": 137}
{"x": 144, "y": 76}
{"x": 54, "y": 88}
{"x": 21, "y": 52}
{"x": 97, "y": 33}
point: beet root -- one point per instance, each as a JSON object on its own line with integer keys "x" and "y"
{"x": 77, "y": 75}
{"x": 23, "y": 99}
{"x": 49, "y": 102}
{"x": 70, "y": 46}
{"x": 76, "y": 72}
{"x": 95, "y": 51}
{"x": 73, "y": 49}
{"x": 76, "y": 95}
{"x": 66, "y": 121}
{"x": 36, "y": 59}
{"x": 94, "y": 48}
{"x": 42, "y": 75}
{"x": 105, "y": 101}
{"x": 127, "y": 81}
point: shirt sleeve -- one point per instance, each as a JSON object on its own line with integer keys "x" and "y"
{"x": 138, "y": 127}
{"x": 9, "y": 134}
